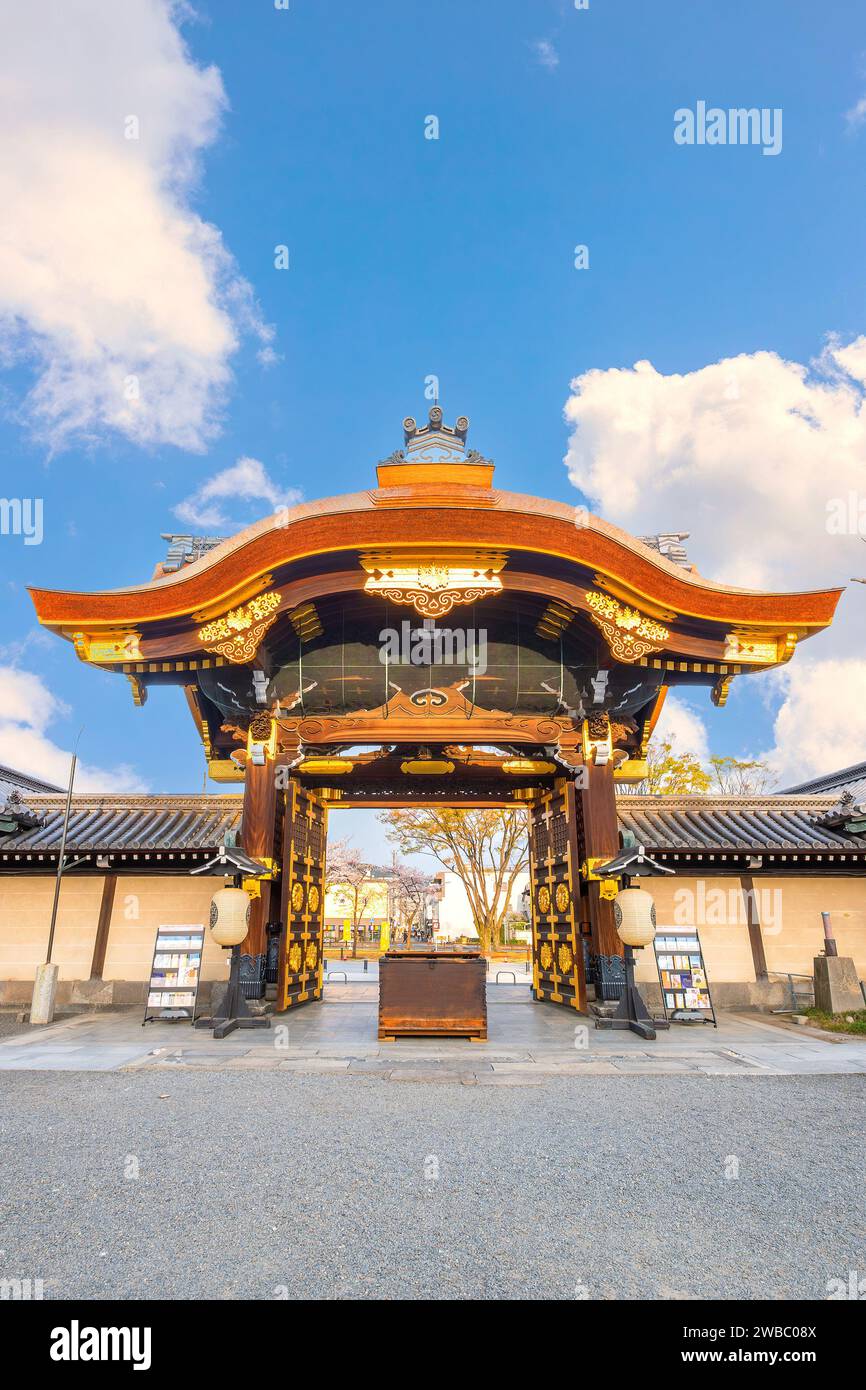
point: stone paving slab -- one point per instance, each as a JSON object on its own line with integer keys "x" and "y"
{"x": 526, "y": 1039}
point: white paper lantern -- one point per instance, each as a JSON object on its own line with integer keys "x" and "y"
{"x": 635, "y": 916}
{"x": 229, "y": 916}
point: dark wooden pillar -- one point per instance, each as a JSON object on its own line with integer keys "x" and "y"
{"x": 260, "y": 830}
{"x": 753, "y": 918}
{"x": 599, "y": 841}
{"x": 100, "y": 944}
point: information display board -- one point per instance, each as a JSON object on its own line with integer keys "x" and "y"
{"x": 175, "y": 973}
{"x": 683, "y": 975}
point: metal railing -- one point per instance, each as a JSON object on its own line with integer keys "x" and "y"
{"x": 804, "y": 998}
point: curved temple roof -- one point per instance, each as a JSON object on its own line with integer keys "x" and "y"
{"x": 445, "y": 517}
{"x": 575, "y": 605}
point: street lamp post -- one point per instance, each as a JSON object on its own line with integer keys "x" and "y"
{"x": 45, "y": 982}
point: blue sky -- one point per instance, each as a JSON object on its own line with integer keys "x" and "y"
{"x": 454, "y": 257}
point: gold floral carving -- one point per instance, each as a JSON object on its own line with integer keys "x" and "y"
{"x": 311, "y": 956}
{"x": 566, "y": 959}
{"x": 295, "y": 959}
{"x": 313, "y": 898}
{"x": 562, "y": 897}
{"x": 237, "y": 635}
{"x": 629, "y": 633}
{"x": 297, "y": 897}
{"x": 544, "y": 899}
{"x": 546, "y": 957}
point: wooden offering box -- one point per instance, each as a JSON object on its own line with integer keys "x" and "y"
{"x": 425, "y": 993}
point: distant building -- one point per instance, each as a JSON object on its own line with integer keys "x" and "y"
{"x": 12, "y": 780}
{"x": 455, "y": 917}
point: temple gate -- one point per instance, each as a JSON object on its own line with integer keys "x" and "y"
{"x": 432, "y": 639}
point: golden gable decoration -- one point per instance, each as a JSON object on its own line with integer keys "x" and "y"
{"x": 103, "y": 647}
{"x": 434, "y": 583}
{"x": 237, "y": 635}
{"x": 629, "y": 633}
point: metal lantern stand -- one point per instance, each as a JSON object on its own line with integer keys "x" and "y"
{"x": 235, "y": 1009}
{"x": 235, "y": 864}
{"x": 631, "y": 1012}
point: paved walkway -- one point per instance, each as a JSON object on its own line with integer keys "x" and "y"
{"x": 527, "y": 1043}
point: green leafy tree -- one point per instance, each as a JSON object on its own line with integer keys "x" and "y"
{"x": 683, "y": 774}
{"x": 673, "y": 774}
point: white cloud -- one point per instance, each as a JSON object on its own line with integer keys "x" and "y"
{"x": 27, "y": 708}
{"x": 110, "y": 282}
{"x": 246, "y": 480}
{"x": 857, "y": 114}
{"x": 545, "y": 54}
{"x": 821, "y": 725}
{"x": 684, "y": 728}
{"x": 755, "y": 456}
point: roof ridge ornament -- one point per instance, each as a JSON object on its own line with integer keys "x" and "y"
{"x": 413, "y": 434}
{"x": 431, "y": 447}
{"x": 435, "y": 442}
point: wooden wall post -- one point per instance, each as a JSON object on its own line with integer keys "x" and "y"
{"x": 599, "y": 839}
{"x": 260, "y": 839}
{"x": 753, "y": 918}
{"x": 100, "y": 944}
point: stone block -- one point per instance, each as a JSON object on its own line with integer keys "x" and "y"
{"x": 44, "y": 994}
{"x": 837, "y": 987}
{"x": 97, "y": 994}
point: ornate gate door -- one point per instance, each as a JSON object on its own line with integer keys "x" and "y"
{"x": 302, "y": 904}
{"x": 558, "y": 970}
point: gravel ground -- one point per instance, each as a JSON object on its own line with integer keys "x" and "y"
{"x": 10, "y": 1027}
{"x": 254, "y": 1186}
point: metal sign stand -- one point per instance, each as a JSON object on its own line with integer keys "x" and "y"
{"x": 680, "y": 944}
{"x": 184, "y": 946}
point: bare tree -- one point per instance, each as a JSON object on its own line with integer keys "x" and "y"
{"x": 485, "y": 848}
{"x": 741, "y": 777}
{"x": 348, "y": 875}
{"x": 411, "y": 888}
